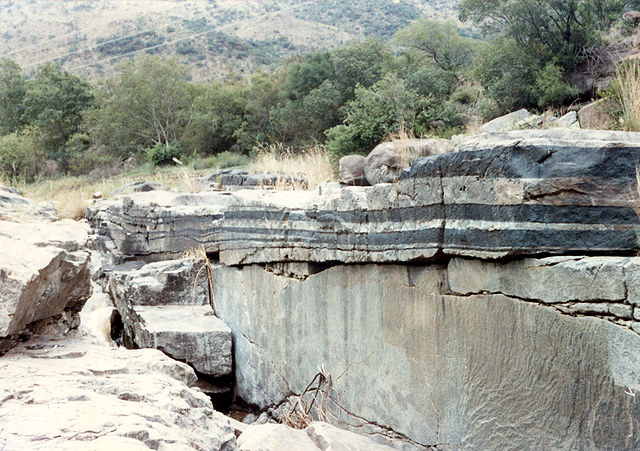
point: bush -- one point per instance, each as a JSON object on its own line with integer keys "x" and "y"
{"x": 551, "y": 88}
{"x": 163, "y": 154}
{"x": 18, "y": 157}
{"x": 624, "y": 93}
{"x": 466, "y": 94}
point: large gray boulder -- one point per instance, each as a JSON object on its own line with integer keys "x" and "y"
{"x": 190, "y": 334}
{"x": 104, "y": 398}
{"x": 352, "y": 170}
{"x": 44, "y": 273}
{"x": 383, "y": 164}
{"x": 508, "y": 122}
{"x": 492, "y": 361}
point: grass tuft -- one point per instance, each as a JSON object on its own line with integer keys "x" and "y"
{"x": 627, "y": 93}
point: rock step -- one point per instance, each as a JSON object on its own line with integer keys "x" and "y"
{"x": 192, "y": 334}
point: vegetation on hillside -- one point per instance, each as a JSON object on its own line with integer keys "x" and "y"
{"x": 428, "y": 79}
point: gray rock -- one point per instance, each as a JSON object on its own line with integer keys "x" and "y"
{"x": 569, "y": 120}
{"x": 508, "y": 122}
{"x": 44, "y": 272}
{"x": 352, "y": 170}
{"x": 595, "y": 116}
{"x": 422, "y": 368}
{"x": 156, "y": 225}
{"x": 139, "y": 187}
{"x": 274, "y": 437}
{"x": 383, "y": 164}
{"x": 191, "y": 334}
{"x": 104, "y": 398}
{"x": 330, "y": 438}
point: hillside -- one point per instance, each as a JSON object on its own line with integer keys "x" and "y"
{"x": 216, "y": 37}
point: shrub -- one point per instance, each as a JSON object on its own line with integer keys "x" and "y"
{"x": 18, "y": 157}
{"x": 551, "y": 88}
{"x": 222, "y": 160}
{"x": 163, "y": 154}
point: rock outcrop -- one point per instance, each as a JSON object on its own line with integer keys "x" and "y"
{"x": 506, "y": 314}
{"x": 352, "y": 171}
{"x": 472, "y": 355}
{"x": 165, "y": 305}
{"x": 595, "y": 115}
{"x": 70, "y": 394}
{"x": 44, "y": 273}
{"x": 157, "y": 225}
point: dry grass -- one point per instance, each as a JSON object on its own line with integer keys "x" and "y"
{"x": 312, "y": 402}
{"x": 71, "y": 195}
{"x": 627, "y": 93}
{"x": 311, "y": 164}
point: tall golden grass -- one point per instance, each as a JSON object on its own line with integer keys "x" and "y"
{"x": 312, "y": 164}
{"x": 627, "y": 93}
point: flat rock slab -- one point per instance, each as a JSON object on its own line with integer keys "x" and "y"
{"x": 187, "y": 333}
{"x": 70, "y": 394}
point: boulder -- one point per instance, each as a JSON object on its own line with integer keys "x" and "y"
{"x": 190, "y": 334}
{"x": 508, "y": 122}
{"x": 104, "y": 398}
{"x": 352, "y": 170}
{"x": 139, "y": 187}
{"x": 328, "y": 437}
{"x": 241, "y": 178}
{"x": 595, "y": 115}
{"x": 383, "y": 164}
{"x": 569, "y": 120}
{"x": 44, "y": 273}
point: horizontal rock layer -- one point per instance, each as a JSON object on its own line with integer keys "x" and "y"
{"x": 502, "y": 195}
{"x": 466, "y": 356}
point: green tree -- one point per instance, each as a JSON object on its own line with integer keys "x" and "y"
{"x": 438, "y": 41}
{"x": 19, "y": 157}
{"x": 147, "y": 103}
{"x": 560, "y": 29}
{"x": 216, "y": 114}
{"x": 54, "y": 103}
{"x": 376, "y": 112}
{"x": 12, "y": 89}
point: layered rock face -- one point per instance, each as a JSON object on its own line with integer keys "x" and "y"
{"x": 506, "y": 314}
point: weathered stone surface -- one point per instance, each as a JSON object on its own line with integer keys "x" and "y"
{"x": 383, "y": 164}
{"x": 241, "y": 178}
{"x": 43, "y": 272}
{"x": 569, "y": 120}
{"x": 317, "y": 436}
{"x": 165, "y": 305}
{"x": 352, "y": 170}
{"x": 423, "y": 368}
{"x": 595, "y": 116}
{"x": 330, "y": 438}
{"x": 508, "y": 122}
{"x": 187, "y": 333}
{"x": 139, "y": 187}
{"x": 525, "y": 193}
{"x": 70, "y": 394}
{"x": 274, "y": 437}
{"x": 157, "y": 225}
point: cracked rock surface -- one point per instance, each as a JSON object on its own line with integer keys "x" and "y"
{"x": 81, "y": 396}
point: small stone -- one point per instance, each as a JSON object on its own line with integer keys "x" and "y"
{"x": 621, "y": 310}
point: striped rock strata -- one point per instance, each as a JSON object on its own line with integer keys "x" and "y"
{"x": 526, "y": 193}
{"x": 502, "y": 195}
